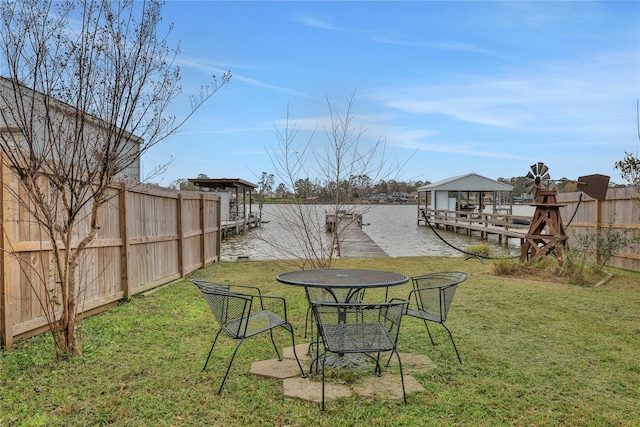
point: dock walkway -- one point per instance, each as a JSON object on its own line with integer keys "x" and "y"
{"x": 239, "y": 226}
{"x": 355, "y": 243}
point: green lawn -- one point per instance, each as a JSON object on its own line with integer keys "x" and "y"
{"x": 534, "y": 353}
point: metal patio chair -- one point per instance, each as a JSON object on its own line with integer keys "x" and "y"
{"x": 431, "y": 297}
{"x": 239, "y": 318}
{"x": 207, "y": 284}
{"x": 323, "y": 295}
{"x": 369, "y": 329}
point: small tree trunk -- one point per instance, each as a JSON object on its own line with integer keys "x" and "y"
{"x": 73, "y": 345}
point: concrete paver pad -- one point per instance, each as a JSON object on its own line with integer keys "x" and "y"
{"x": 305, "y": 389}
{"x": 388, "y": 386}
{"x": 301, "y": 351}
{"x": 413, "y": 363}
{"x": 274, "y": 368}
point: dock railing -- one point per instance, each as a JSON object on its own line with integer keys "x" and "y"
{"x": 505, "y": 226}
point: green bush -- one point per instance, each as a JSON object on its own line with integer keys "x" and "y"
{"x": 482, "y": 250}
{"x": 600, "y": 245}
{"x": 577, "y": 270}
{"x": 505, "y": 266}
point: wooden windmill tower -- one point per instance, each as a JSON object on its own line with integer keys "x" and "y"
{"x": 546, "y": 233}
{"x": 547, "y": 236}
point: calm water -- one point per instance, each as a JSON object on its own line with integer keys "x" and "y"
{"x": 393, "y": 227}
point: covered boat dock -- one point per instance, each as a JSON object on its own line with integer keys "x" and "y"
{"x": 235, "y": 218}
{"x": 473, "y": 204}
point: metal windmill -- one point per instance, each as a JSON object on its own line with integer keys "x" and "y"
{"x": 537, "y": 178}
{"x": 547, "y": 236}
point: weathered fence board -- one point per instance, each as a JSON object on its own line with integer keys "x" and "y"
{"x": 621, "y": 210}
{"x": 148, "y": 237}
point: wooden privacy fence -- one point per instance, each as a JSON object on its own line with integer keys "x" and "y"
{"x": 147, "y": 237}
{"x": 620, "y": 210}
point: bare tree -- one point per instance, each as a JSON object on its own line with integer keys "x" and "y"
{"x": 315, "y": 231}
{"x": 86, "y": 90}
{"x": 629, "y": 167}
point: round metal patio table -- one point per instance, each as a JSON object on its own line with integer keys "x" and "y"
{"x": 334, "y": 279}
{"x": 342, "y": 278}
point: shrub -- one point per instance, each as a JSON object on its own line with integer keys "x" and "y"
{"x": 482, "y": 250}
{"x": 576, "y": 269}
{"x": 603, "y": 244}
{"x": 508, "y": 267}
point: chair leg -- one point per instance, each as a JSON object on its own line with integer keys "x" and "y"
{"x": 377, "y": 370}
{"x": 390, "y": 356}
{"x": 453, "y": 342}
{"x": 229, "y": 367}
{"x": 274, "y": 344}
{"x": 308, "y": 322}
{"x": 429, "y": 332}
{"x": 323, "y": 359}
{"x": 308, "y": 326}
{"x": 404, "y": 393}
{"x": 314, "y": 360}
{"x": 211, "y": 351}
{"x": 289, "y": 328}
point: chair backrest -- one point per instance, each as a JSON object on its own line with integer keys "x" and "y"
{"x": 375, "y": 326}
{"x": 206, "y": 284}
{"x": 230, "y": 309}
{"x": 435, "y": 291}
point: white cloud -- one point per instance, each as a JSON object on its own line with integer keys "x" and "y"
{"x": 444, "y": 45}
{"x": 580, "y": 97}
{"x": 312, "y": 21}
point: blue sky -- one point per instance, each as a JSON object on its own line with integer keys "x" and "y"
{"x": 454, "y": 87}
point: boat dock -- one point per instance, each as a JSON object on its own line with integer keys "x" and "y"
{"x": 483, "y": 224}
{"x": 331, "y": 219}
{"x": 355, "y": 243}
{"x": 239, "y": 226}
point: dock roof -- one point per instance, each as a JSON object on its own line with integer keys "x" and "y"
{"x": 224, "y": 183}
{"x": 468, "y": 182}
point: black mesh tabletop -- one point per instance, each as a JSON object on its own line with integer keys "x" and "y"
{"x": 342, "y": 278}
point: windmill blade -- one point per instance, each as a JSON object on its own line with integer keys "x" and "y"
{"x": 543, "y": 169}
{"x": 537, "y": 179}
{"x": 530, "y": 186}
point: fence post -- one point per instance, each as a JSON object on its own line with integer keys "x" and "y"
{"x": 598, "y": 231}
{"x": 180, "y": 237}
{"x": 124, "y": 235}
{"x": 219, "y": 227}
{"x": 6, "y": 307}
{"x": 203, "y": 246}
